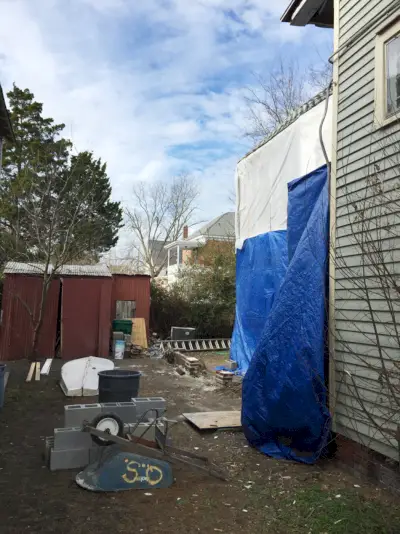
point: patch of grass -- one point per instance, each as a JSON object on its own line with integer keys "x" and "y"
{"x": 313, "y": 510}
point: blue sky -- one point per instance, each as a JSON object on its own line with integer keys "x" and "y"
{"x": 154, "y": 87}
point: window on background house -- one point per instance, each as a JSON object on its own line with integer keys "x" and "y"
{"x": 387, "y": 75}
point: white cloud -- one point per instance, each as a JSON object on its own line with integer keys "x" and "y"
{"x": 135, "y": 80}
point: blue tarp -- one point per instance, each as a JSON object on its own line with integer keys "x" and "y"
{"x": 260, "y": 269}
{"x": 284, "y": 411}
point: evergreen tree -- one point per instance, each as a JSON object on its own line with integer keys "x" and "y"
{"x": 49, "y": 199}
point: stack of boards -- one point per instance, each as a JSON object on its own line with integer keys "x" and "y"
{"x": 35, "y": 369}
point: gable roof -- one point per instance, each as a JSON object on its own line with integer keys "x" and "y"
{"x": 221, "y": 226}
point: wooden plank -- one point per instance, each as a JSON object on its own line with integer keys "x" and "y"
{"x": 209, "y": 420}
{"x": 139, "y": 334}
{"x": 37, "y": 372}
{"x": 30, "y": 372}
{"x": 46, "y": 366}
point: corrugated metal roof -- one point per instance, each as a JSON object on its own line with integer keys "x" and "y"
{"x": 85, "y": 270}
{"x": 127, "y": 270}
{"x": 13, "y": 267}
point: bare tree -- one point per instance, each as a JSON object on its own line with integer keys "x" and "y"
{"x": 279, "y": 93}
{"x": 161, "y": 211}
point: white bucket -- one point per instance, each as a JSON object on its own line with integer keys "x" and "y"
{"x": 119, "y": 349}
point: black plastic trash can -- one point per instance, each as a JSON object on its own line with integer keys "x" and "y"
{"x": 118, "y": 385}
{"x": 3, "y": 368}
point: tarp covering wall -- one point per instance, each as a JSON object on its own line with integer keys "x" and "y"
{"x": 263, "y": 175}
{"x": 260, "y": 269}
{"x": 284, "y": 411}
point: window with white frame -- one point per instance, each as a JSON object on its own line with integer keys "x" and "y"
{"x": 387, "y": 75}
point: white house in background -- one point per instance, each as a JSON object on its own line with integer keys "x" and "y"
{"x": 183, "y": 251}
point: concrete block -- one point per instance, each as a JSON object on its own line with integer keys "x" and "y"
{"x": 231, "y": 365}
{"x": 156, "y": 405}
{"x": 68, "y": 459}
{"x": 127, "y": 411}
{"x": 71, "y": 438}
{"x": 77, "y": 414}
{"x": 109, "y": 407}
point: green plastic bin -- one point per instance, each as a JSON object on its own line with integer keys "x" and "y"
{"x": 122, "y": 325}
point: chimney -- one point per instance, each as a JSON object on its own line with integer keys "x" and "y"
{"x": 185, "y": 232}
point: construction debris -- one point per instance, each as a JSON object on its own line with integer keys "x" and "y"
{"x": 46, "y": 366}
{"x": 191, "y": 364}
{"x": 30, "y": 372}
{"x": 224, "y": 378}
{"x": 210, "y": 420}
{"x": 37, "y": 373}
{"x": 139, "y": 334}
{"x": 196, "y": 345}
{"x": 230, "y": 365}
{"x": 81, "y": 377}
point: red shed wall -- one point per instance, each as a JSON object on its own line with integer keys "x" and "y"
{"x": 135, "y": 288}
{"x": 22, "y": 295}
{"x": 85, "y": 317}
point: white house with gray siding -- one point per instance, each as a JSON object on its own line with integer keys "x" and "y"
{"x": 365, "y": 217}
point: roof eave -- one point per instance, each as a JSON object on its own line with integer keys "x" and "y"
{"x": 304, "y": 12}
{"x": 186, "y": 243}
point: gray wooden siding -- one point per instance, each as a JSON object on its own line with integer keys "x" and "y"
{"x": 367, "y": 313}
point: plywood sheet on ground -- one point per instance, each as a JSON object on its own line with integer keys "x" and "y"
{"x": 139, "y": 335}
{"x": 210, "y": 420}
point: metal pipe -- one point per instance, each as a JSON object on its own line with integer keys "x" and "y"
{"x": 372, "y": 24}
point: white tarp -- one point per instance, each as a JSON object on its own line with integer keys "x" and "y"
{"x": 79, "y": 378}
{"x": 263, "y": 175}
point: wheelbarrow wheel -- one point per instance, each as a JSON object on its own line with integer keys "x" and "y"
{"x": 109, "y": 423}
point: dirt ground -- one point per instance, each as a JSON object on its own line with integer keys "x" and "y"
{"x": 263, "y": 495}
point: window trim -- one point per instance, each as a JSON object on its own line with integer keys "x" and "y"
{"x": 385, "y": 35}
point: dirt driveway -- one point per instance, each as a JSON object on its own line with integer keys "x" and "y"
{"x": 262, "y": 496}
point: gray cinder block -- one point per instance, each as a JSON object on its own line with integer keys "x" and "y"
{"x": 156, "y": 405}
{"x": 68, "y": 459}
{"x": 127, "y": 411}
{"x": 77, "y": 414}
{"x": 109, "y": 407}
{"x": 71, "y": 438}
